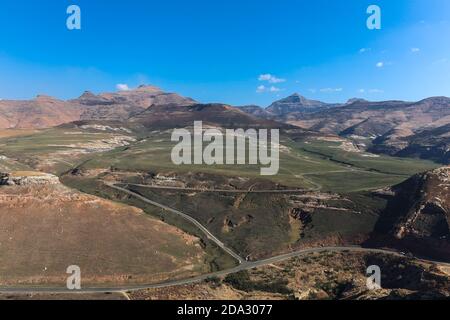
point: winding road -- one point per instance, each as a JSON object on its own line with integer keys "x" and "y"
{"x": 243, "y": 265}
{"x": 197, "y": 279}
{"x": 184, "y": 216}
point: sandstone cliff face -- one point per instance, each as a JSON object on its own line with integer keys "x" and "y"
{"x": 41, "y": 112}
{"x": 28, "y": 179}
{"x": 120, "y": 106}
{"x": 45, "y": 111}
{"x": 428, "y": 198}
{"x": 417, "y": 217}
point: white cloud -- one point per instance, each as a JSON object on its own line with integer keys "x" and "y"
{"x": 122, "y": 87}
{"x": 380, "y": 64}
{"x": 274, "y": 89}
{"x": 364, "y": 50}
{"x": 370, "y": 91}
{"x": 312, "y": 90}
{"x": 330, "y": 90}
{"x": 270, "y": 78}
{"x": 263, "y": 88}
{"x": 414, "y": 50}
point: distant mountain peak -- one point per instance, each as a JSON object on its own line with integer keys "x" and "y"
{"x": 295, "y": 103}
{"x": 441, "y": 99}
{"x": 295, "y": 97}
{"x": 298, "y": 98}
{"x": 44, "y": 98}
{"x": 87, "y": 94}
{"x": 147, "y": 88}
{"x": 354, "y": 100}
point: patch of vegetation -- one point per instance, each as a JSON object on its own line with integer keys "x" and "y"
{"x": 316, "y": 164}
{"x": 259, "y": 226}
{"x": 334, "y": 288}
{"x": 217, "y": 258}
{"x": 241, "y": 281}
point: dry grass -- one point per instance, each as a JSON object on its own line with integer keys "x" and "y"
{"x": 316, "y": 276}
{"x": 43, "y": 230}
{"x": 9, "y": 133}
{"x": 27, "y": 174}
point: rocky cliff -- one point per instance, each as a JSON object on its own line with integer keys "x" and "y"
{"x": 27, "y": 178}
{"x": 417, "y": 217}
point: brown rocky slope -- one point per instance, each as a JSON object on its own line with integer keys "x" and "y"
{"x": 417, "y": 217}
{"x": 44, "y": 228}
{"x": 45, "y": 111}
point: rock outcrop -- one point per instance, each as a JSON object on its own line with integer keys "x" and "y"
{"x": 417, "y": 217}
{"x": 27, "y": 178}
{"x": 428, "y": 205}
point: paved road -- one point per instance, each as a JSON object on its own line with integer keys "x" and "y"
{"x": 184, "y": 216}
{"x": 218, "y": 190}
{"x": 241, "y": 267}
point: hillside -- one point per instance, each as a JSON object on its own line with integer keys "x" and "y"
{"x": 417, "y": 217}
{"x": 122, "y": 105}
{"x": 433, "y": 144}
{"x": 256, "y": 111}
{"x": 146, "y": 105}
{"x": 289, "y": 108}
{"x": 407, "y": 129}
{"x": 46, "y": 227}
{"x": 295, "y": 106}
{"x": 46, "y": 112}
{"x": 368, "y": 119}
{"x": 172, "y": 115}
{"x": 319, "y": 276}
{"x": 41, "y": 112}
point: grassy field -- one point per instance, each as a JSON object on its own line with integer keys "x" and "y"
{"x": 314, "y": 165}
{"x": 260, "y": 225}
{"x": 376, "y": 163}
{"x": 58, "y": 149}
{"x": 305, "y": 164}
{"x": 7, "y": 133}
{"x": 215, "y": 259}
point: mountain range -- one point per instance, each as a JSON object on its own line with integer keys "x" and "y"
{"x": 147, "y": 105}
{"x": 399, "y": 128}
{"x": 46, "y": 111}
{"x": 416, "y": 129}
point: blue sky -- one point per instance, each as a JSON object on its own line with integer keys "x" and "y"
{"x": 216, "y": 50}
